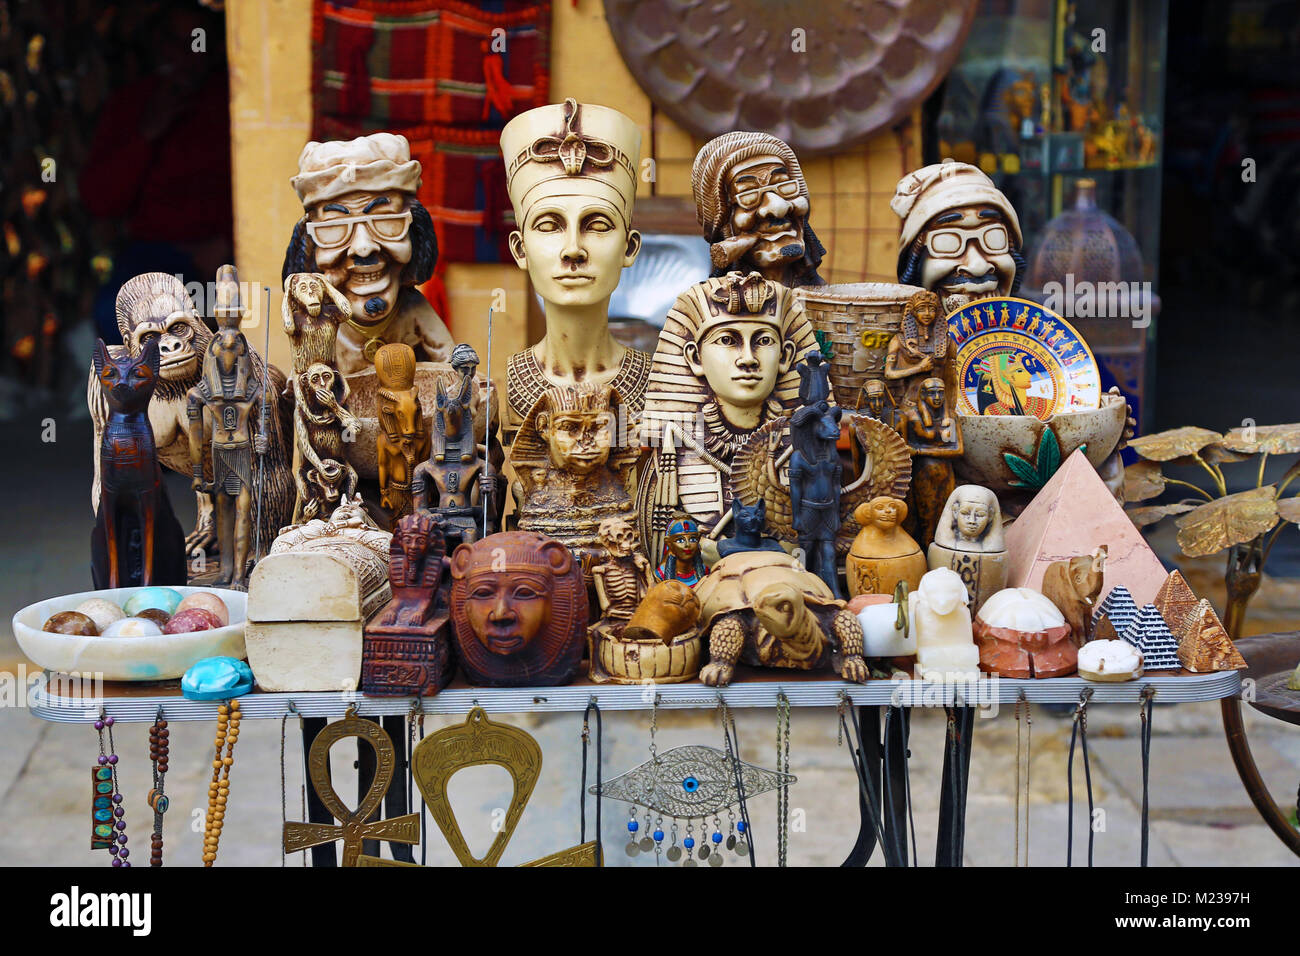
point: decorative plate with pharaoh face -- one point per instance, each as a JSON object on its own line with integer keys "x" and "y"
{"x": 1015, "y": 357}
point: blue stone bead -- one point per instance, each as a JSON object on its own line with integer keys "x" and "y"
{"x": 688, "y": 842}
{"x": 690, "y": 785}
{"x": 716, "y": 838}
{"x": 659, "y": 835}
{"x": 632, "y": 826}
{"x": 103, "y": 816}
{"x": 740, "y": 825}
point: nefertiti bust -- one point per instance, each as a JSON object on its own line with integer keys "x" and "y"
{"x": 572, "y": 174}
{"x": 519, "y": 606}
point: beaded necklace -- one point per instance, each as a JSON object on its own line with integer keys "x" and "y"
{"x": 158, "y": 802}
{"x": 219, "y": 788}
{"x": 107, "y": 813}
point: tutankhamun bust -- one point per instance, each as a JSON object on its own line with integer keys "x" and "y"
{"x": 571, "y": 173}
{"x": 724, "y": 368}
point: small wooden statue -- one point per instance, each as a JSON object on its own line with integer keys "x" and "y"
{"x": 407, "y": 644}
{"x": 519, "y": 606}
{"x": 230, "y": 396}
{"x": 883, "y": 553}
{"x": 452, "y": 483}
{"x": 761, "y": 608}
{"x": 748, "y": 524}
{"x": 574, "y": 467}
{"x": 815, "y": 471}
{"x": 624, "y": 576}
{"x": 969, "y": 540}
{"x": 403, "y": 434}
{"x": 137, "y": 539}
{"x": 312, "y": 311}
{"x": 1074, "y": 585}
{"x": 682, "y": 560}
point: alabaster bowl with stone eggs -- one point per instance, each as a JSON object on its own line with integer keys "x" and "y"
{"x": 133, "y": 634}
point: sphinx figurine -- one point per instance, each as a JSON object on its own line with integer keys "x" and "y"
{"x": 404, "y": 436}
{"x": 724, "y": 368}
{"x": 815, "y": 471}
{"x": 574, "y": 469}
{"x": 453, "y": 481}
{"x": 941, "y": 622}
{"x": 969, "y": 540}
{"x": 311, "y": 313}
{"x": 883, "y": 553}
{"x": 230, "y": 403}
{"x": 571, "y": 171}
{"x": 406, "y": 647}
{"x": 682, "y": 560}
{"x": 519, "y": 607}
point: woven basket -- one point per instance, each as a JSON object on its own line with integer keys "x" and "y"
{"x": 860, "y": 318}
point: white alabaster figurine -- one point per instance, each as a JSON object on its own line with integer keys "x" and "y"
{"x": 941, "y": 626}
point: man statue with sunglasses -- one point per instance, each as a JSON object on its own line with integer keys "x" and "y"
{"x": 752, "y": 202}
{"x": 961, "y": 236}
{"x": 366, "y": 232}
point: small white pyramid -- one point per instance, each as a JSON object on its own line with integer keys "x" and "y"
{"x": 1151, "y": 635}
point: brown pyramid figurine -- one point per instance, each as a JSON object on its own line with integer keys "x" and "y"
{"x": 1204, "y": 644}
{"x": 1104, "y": 630}
{"x": 1175, "y": 601}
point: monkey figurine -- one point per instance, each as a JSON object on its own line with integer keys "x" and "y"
{"x": 137, "y": 539}
{"x": 235, "y": 403}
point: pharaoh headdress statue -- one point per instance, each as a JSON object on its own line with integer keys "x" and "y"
{"x": 724, "y": 367}
{"x": 554, "y": 155}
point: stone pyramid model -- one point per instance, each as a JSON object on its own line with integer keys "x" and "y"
{"x": 1118, "y": 608}
{"x": 1204, "y": 645}
{"x": 1151, "y": 635}
{"x": 1175, "y": 601}
{"x": 1073, "y": 514}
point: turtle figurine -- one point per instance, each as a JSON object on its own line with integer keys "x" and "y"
{"x": 764, "y": 608}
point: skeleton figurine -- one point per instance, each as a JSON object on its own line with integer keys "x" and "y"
{"x": 815, "y": 471}
{"x": 403, "y": 435}
{"x": 452, "y": 482}
{"x": 623, "y": 578}
{"x": 230, "y": 392}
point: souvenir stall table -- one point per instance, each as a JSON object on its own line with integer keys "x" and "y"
{"x": 871, "y": 497}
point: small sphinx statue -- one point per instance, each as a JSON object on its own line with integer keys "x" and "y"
{"x": 724, "y": 367}
{"x": 519, "y": 607}
{"x": 969, "y": 540}
{"x": 945, "y": 642}
{"x": 404, "y": 436}
{"x": 574, "y": 468}
{"x": 682, "y": 560}
{"x": 453, "y": 481}
{"x": 407, "y": 644}
{"x": 815, "y": 471}
{"x": 883, "y": 553}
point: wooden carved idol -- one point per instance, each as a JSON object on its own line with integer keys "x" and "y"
{"x": 407, "y": 644}
{"x": 312, "y": 311}
{"x": 230, "y": 403}
{"x": 519, "y": 606}
{"x": 452, "y": 482}
{"x": 137, "y": 539}
{"x": 571, "y": 171}
{"x": 724, "y": 367}
{"x": 574, "y": 466}
{"x": 365, "y": 231}
{"x": 403, "y": 434}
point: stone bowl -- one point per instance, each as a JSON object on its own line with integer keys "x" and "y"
{"x": 164, "y": 657}
{"x": 987, "y": 437}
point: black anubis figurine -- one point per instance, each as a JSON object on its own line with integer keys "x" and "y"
{"x": 137, "y": 539}
{"x": 748, "y": 522}
{"x": 815, "y": 471}
{"x": 452, "y": 483}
